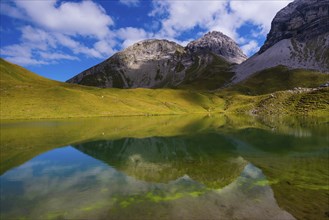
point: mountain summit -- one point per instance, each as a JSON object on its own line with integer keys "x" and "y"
{"x": 161, "y": 63}
{"x": 219, "y": 44}
{"x": 299, "y": 38}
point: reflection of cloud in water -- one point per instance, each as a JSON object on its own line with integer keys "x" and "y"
{"x": 74, "y": 190}
{"x": 251, "y": 198}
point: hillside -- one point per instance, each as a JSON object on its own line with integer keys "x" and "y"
{"x": 280, "y": 78}
{"x": 26, "y": 95}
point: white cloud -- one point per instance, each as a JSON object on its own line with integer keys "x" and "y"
{"x": 258, "y": 12}
{"x": 57, "y": 26}
{"x": 105, "y": 47}
{"x": 40, "y": 47}
{"x": 37, "y": 38}
{"x": 65, "y": 30}
{"x": 20, "y": 54}
{"x": 132, "y": 35}
{"x": 226, "y": 16}
{"x": 8, "y": 9}
{"x": 84, "y": 18}
{"x": 250, "y": 48}
{"x": 130, "y": 2}
{"x": 57, "y": 56}
{"x": 185, "y": 15}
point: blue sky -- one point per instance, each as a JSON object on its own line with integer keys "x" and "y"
{"x": 59, "y": 39}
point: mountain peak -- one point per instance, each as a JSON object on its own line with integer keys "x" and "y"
{"x": 150, "y": 46}
{"x": 150, "y": 42}
{"x": 215, "y": 34}
{"x": 158, "y": 63}
{"x": 218, "y": 43}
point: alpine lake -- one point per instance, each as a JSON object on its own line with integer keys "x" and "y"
{"x": 165, "y": 167}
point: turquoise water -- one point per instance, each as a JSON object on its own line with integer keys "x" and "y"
{"x": 89, "y": 170}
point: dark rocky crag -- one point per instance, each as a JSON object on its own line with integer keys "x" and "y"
{"x": 299, "y": 38}
{"x": 301, "y": 19}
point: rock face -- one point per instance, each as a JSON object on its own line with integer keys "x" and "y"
{"x": 219, "y": 44}
{"x": 144, "y": 64}
{"x": 299, "y": 38}
{"x": 160, "y": 63}
{"x": 302, "y": 19}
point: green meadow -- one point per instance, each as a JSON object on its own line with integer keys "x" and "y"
{"x": 25, "y": 95}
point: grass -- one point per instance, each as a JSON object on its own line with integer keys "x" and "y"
{"x": 279, "y": 104}
{"x": 25, "y": 95}
{"x": 279, "y": 79}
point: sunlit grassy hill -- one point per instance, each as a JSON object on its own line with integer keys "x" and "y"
{"x": 25, "y": 95}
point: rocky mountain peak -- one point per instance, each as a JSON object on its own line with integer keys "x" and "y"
{"x": 161, "y": 63}
{"x": 150, "y": 49}
{"x": 153, "y": 45}
{"x": 219, "y": 44}
{"x": 301, "y": 19}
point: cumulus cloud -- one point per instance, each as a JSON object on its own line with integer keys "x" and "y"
{"x": 57, "y": 56}
{"x": 184, "y": 15}
{"x": 258, "y": 12}
{"x": 21, "y": 54}
{"x": 84, "y": 18}
{"x": 55, "y": 26}
{"x": 250, "y": 48}
{"x": 8, "y": 9}
{"x": 130, "y": 2}
{"x": 62, "y": 30}
{"x": 226, "y": 16}
{"x": 132, "y": 35}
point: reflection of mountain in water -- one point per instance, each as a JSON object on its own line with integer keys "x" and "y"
{"x": 79, "y": 187}
{"x": 297, "y": 166}
{"x": 247, "y": 197}
{"x": 209, "y": 159}
{"x": 292, "y": 155}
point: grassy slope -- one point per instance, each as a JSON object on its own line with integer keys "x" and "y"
{"x": 270, "y": 92}
{"x": 282, "y": 103}
{"x": 26, "y": 95}
{"x": 278, "y": 79}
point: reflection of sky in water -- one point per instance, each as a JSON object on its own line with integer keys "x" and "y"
{"x": 67, "y": 183}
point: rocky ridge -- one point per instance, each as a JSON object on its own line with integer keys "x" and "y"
{"x": 299, "y": 38}
{"x": 160, "y": 63}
